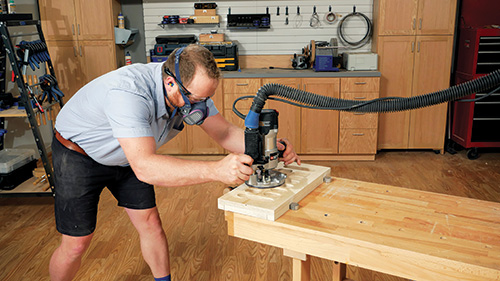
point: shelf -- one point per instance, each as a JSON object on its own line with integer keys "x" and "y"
{"x": 186, "y": 24}
{"x": 27, "y": 188}
{"x": 13, "y": 112}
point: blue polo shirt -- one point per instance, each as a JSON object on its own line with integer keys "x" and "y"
{"x": 125, "y": 103}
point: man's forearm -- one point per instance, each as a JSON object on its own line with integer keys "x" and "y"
{"x": 165, "y": 170}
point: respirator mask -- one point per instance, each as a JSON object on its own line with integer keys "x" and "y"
{"x": 192, "y": 113}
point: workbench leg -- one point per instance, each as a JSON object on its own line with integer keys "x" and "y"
{"x": 301, "y": 270}
{"x": 339, "y": 271}
{"x": 301, "y": 265}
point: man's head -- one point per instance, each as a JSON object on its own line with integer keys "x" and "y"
{"x": 199, "y": 74}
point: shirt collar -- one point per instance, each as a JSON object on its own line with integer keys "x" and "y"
{"x": 159, "y": 90}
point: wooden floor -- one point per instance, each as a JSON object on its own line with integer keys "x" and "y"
{"x": 199, "y": 244}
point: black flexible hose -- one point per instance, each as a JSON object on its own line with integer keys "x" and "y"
{"x": 388, "y": 104}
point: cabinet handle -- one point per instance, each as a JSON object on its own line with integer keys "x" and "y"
{"x": 359, "y": 113}
{"x": 420, "y": 24}
{"x": 242, "y": 84}
{"x": 78, "y": 29}
{"x": 81, "y": 51}
{"x": 359, "y": 83}
{"x": 414, "y": 23}
{"x": 74, "y": 50}
{"x": 73, "y": 29}
{"x": 412, "y": 47}
{"x": 358, "y": 134}
{"x": 418, "y": 47}
{"x": 359, "y": 98}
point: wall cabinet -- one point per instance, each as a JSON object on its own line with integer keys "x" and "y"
{"x": 414, "y": 41}
{"x": 79, "y": 19}
{"x": 414, "y": 17}
{"x": 414, "y": 66}
{"x": 80, "y": 39}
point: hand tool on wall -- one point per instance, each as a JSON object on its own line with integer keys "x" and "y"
{"x": 286, "y": 14}
{"x": 314, "y": 21}
{"x": 298, "y": 18}
{"x": 262, "y": 124}
{"x": 330, "y": 17}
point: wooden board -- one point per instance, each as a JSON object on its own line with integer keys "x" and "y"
{"x": 271, "y": 203}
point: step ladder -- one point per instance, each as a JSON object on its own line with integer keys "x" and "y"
{"x": 33, "y": 53}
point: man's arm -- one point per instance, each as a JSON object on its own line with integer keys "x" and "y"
{"x": 164, "y": 170}
{"x": 227, "y": 135}
{"x": 232, "y": 138}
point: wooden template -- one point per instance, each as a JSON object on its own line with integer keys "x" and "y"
{"x": 271, "y": 203}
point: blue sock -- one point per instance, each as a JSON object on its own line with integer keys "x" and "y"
{"x": 166, "y": 278}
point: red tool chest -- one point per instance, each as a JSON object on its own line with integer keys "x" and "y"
{"x": 477, "y": 124}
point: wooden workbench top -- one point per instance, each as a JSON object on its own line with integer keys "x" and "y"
{"x": 404, "y": 232}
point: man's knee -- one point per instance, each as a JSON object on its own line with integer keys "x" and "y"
{"x": 75, "y": 247}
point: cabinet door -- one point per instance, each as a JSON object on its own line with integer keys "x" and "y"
{"x": 396, "y": 65}
{"x": 97, "y": 58}
{"x": 320, "y": 128}
{"x": 198, "y": 142}
{"x": 64, "y": 56}
{"x": 436, "y": 17}
{"x": 94, "y": 19}
{"x": 396, "y": 17}
{"x": 432, "y": 73}
{"x": 58, "y": 19}
{"x": 289, "y": 115}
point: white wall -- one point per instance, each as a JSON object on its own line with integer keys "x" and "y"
{"x": 279, "y": 39}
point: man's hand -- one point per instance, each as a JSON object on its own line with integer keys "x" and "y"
{"x": 234, "y": 169}
{"x": 289, "y": 155}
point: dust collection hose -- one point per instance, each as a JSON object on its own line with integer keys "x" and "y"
{"x": 388, "y": 104}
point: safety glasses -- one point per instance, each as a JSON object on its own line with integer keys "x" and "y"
{"x": 193, "y": 98}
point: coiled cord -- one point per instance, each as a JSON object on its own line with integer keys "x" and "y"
{"x": 388, "y": 104}
{"x": 365, "y": 39}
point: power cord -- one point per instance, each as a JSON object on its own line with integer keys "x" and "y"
{"x": 365, "y": 39}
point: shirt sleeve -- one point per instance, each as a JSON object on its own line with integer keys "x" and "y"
{"x": 129, "y": 114}
{"x": 212, "y": 109}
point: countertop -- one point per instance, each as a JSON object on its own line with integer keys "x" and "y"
{"x": 293, "y": 73}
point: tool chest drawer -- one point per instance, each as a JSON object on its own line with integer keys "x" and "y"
{"x": 359, "y": 84}
{"x": 359, "y": 120}
{"x": 358, "y": 141}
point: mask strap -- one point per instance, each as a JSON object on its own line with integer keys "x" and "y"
{"x": 178, "y": 75}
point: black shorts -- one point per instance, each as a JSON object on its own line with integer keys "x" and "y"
{"x": 79, "y": 181}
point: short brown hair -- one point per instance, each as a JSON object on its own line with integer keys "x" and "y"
{"x": 193, "y": 55}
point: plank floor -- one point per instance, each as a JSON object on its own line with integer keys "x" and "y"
{"x": 199, "y": 245}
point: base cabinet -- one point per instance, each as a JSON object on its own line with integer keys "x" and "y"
{"x": 315, "y": 134}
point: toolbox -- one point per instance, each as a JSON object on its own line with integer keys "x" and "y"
{"x": 205, "y": 19}
{"x": 16, "y": 166}
{"x": 225, "y": 54}
{"x": 165, "y": 44}
{"x": 211, "y": 37}
{"x": 205, "y": 12}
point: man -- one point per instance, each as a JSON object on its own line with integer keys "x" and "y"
{"x": 107, "y": 136}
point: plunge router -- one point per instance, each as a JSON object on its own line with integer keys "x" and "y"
{"x": 260, "y": 144}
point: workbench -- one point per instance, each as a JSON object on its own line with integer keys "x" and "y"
{"x": 404, "y": 232}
